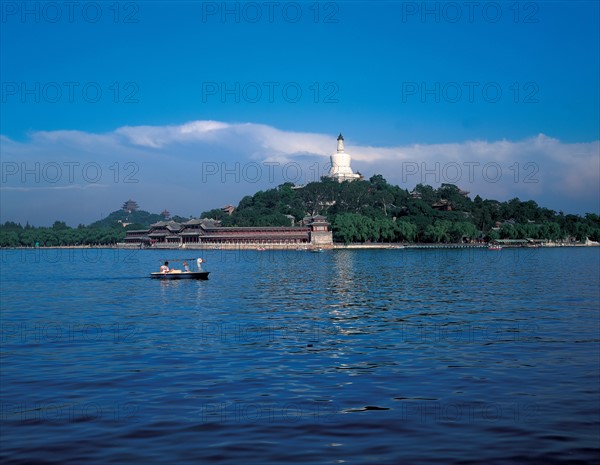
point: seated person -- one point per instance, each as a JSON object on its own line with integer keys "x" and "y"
{"x": 186, "y": 268}
{"x": 164, "y": 268}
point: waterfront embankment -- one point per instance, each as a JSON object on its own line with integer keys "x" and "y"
{"x": 309, "y": 247}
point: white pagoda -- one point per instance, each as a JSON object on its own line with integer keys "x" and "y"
{"x": 340, "y": 164}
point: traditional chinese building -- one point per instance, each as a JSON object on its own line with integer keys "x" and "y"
{"x": 442, "y": 205}
{"x": 205, "y": 232}
{"x": 415, "y": 194}
{"x": 130, "y": 206}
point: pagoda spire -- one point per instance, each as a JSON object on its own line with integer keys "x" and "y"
{"x": 340, "y": 143}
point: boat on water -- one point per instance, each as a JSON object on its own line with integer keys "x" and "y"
{"x": 178, "y": 274}
{"x": 495, "y": 247}
{"x": 185, "y": 273}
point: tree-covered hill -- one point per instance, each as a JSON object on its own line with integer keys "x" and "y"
{"x": 138, "y": 219}
{"x": 376, "y": 211}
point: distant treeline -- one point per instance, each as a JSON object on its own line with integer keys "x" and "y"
{"x": 107, "y": 231}
{"x": 360, "y": 211}
{"x": 15, "y": 235}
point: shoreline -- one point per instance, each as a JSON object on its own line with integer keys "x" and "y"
{"x": 307, "y": 248}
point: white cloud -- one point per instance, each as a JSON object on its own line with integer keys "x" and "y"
{"x": 160, "y": 136}
{"x": 538, "y": 165}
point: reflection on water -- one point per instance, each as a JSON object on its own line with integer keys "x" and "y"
{"x": 344, "y": 281}
{"x": 386, "y": 356}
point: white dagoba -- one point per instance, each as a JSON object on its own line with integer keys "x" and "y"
{"x": 340, "y": 164}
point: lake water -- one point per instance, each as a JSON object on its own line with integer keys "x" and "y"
{"x": 359, "y": 357}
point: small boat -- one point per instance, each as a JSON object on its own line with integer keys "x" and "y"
{"x": 198, "y": 273}
{"x": 317, "y": 250}
{"x": 495, "y": 247}
{"x": 178, "y": 274}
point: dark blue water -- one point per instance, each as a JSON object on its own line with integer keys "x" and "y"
{"x": 360, "y": 357}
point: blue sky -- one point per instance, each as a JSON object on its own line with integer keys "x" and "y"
{"x": 191, "y": 105}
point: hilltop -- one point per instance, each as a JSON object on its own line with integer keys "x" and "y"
{"x": 137, "y": 219}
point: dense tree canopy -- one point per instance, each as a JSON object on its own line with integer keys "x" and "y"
{"x": 11, "y": 236}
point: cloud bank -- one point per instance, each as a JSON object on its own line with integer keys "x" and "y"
{"x": 79, "y": 176}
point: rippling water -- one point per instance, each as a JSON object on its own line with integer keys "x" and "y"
{"x": 384, "y": 356}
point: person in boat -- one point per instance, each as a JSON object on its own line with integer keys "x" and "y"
{"x": 199, "y": 263}
{"x": 186, "y": 268}
{"x": 164, "y": 268}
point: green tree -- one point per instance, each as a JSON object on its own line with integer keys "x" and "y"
{"x": 59, "y": 226}
{"x": 406, "y": 231}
